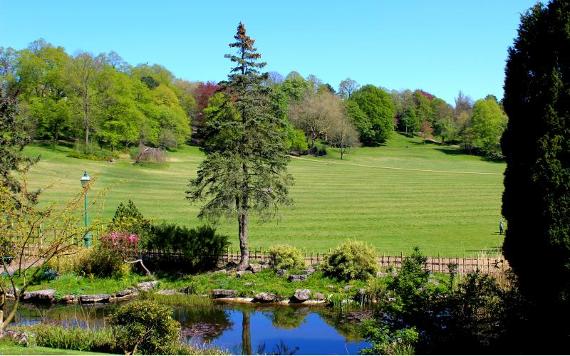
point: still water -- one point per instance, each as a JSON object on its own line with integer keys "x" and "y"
{"x": 235, "y": 328}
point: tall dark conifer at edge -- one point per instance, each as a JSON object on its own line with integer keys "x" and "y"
{"x": 245, "y": 169}
{"x": 536, "y": 145}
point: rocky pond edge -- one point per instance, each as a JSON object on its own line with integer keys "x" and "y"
{"x": 48, "y": 296}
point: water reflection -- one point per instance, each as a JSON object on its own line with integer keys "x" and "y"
{"x": 239, "y": 329}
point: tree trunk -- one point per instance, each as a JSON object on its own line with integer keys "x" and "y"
{"x": 245, "y": 334}
{"x": 243, "y": 239}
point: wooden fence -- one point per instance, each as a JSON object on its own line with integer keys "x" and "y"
{"x": 493, "y": 265}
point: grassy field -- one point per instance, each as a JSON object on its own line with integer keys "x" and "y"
{"x": 398, "y": 196}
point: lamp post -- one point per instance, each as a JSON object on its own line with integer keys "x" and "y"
{"x": 87, "y": 237}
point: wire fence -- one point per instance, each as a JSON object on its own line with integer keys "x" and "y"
{"x": 493, "y": 265}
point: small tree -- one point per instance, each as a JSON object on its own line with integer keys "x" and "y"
{"x": 245, "y": 169}
{"x": 47, "y": 232}
{"x": 342, "y": 134}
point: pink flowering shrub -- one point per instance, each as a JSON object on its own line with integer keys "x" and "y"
{"x": 124, "y": 243}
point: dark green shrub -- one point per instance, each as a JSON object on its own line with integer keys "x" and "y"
{"x": 129, "y": 219}
{"x": 104, "y": 262}
{"x": 98, "y": 340}
{"x": 384, "y": 341}
{"x": 145, "y": 327}
{"x": 200, "y": 246}
{"x": 351, "y": 260}
{"x": 285, "y": 257}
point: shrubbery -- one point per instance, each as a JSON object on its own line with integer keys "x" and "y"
{"x": 351, "y": 260}
{"x": 129, "y": 219}
{"x": 99, "y": 340}
{"x": 145, "y": 327}
{"x": 200, "y": 246}
{"x": 104, "y": 262}
{"x": 285, "y": 257}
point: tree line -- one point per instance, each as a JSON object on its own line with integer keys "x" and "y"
{"x": 101, "y": 100}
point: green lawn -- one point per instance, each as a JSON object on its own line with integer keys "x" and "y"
{"x": 398, "y": 196}
{"x": 8, "y": 348}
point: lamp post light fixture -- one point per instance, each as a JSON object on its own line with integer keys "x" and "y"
{"x": 84, "y": 183}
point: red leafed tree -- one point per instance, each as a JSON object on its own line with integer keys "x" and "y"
{"x": 426, "y": 131}
{"x": 202, "y": 94}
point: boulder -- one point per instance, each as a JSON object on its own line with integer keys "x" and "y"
{"x": 265, "y": 298}
{"x": 94, "y": 298}
{"x": 281, "y": 272}
{"x": 297, "y": 277}
{"x": 125, "y": 293}
{"x": 318, "y": 296}
{"x": 347, "y": 288}
{"x": 301, "y": 295}
{"x": 310, "y": 270}
{"x": 39, "y": 296}
{"x": 224, "y": 293}
{"x": 167, "y": 292}
{"x": 68, "y": 299}
{"x": 146, "y": 286}
{"x": 254, "y": 268}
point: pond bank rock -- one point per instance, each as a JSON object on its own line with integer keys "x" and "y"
{"x": 68, "y": 299}
{"x": 39, "y": 296}
{"x": 94, "y": 298}
{"x": 146, "y": 286}
{"x": 297, "y": 277}
{"x": 223, "y": 293}
{"x": 301, "y": 295}
{"x": 125, "y": 294}
{"x": 265, "y": 298}
{"x": 254, "y": 268}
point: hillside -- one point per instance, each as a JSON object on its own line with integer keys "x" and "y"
{"x": 398, "y": 196}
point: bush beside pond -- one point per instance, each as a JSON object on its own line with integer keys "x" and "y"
{"x": 351, "y": 260}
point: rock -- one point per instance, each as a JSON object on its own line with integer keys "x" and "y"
{"x": 231, "y": 265}
{"x": 221, "y": 271}
{"x": 224, "y": 293}
{"x": 381, "y": 274}
{"x": 281, "y": 272}
{"x": 94, "y": 298}
{"x": 265, "y": 298}
{"x": 248, "y": 284}
{"x": 18, "y": 337}
{"x": 39, "y": 296}
{"x": 310, "y": 270}
{"x": 167, "y": 292}
{"x": 125, "y": 293}
{"x": 301, "y": 295}
{"x": 240, "y": 274}
{"x": 318, "y": 296}
{"x": 68, "y": 299}
{"x": 347, "y": 288}
{"x": 146, "y": 286}
{"x": 254, "y": 268}
{"x": 297, "y": 277}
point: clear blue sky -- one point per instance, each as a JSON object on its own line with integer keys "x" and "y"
{"x": 441, "y": 46}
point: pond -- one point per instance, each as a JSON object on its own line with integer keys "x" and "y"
{"x": 239, "y": 329}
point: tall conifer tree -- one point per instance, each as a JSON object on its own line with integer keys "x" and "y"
{"x": 536, "y": 145}
{"x": 245, "y": 169}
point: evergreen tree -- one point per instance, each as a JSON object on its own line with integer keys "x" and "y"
{"x": 536, "y": 145}
{"x": 245, "y": 169}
